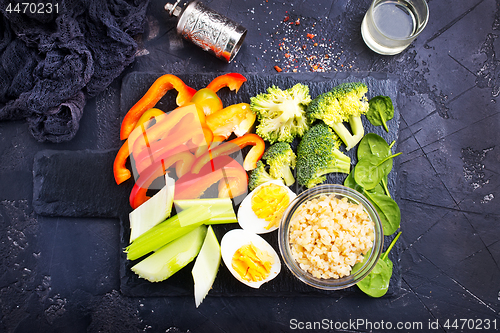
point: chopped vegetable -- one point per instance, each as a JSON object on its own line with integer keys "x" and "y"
{"x": 237, "y": 118}
{"x": 281, "y": 160}
{"x": 371, "y": 169}
{"x": 153, "y": 95}
{"x": 235, "y": 145}
{"x": 258, "y": 176}
{"x": 167, "y": 231}
{"x": 221, "y": 209}
{"x": 387, "y": 209}
{"x": 281, "y": 113}
{"x": 154, "y": 211}
{"x": 318, "y": 155}
{"x": 380, "y": 111}
{"x": 207, "y": 100}
{"x": 233, "y": 81}
{"x": 172, "y": 257}
{"x": 371, "y": 147}
{"x": 376, "y": 283}
{"x": 120, "y": 170}
{"x": 344, "y": 103}
{"x": 224, "y": 168}
{"x": 206, "y": 266}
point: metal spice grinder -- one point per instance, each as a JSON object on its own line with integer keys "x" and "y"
{"x": 208, "y": 29}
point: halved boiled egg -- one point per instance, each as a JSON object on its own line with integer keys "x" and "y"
{"x": 249, "y": 257}
{"x": 261, "y": 210}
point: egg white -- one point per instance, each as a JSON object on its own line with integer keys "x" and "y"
{"x": 235, "y": 239}
{"x": 247, "y": 218}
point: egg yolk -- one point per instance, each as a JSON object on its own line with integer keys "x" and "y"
{"x": 269, "y": 203}
{"x": 251, "y": 263}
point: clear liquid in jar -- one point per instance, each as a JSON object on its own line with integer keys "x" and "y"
{"x": 394, "y": 19}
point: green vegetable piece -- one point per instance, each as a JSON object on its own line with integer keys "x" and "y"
{"x": 153, "y": 211}
{"x": 281, "y": 160}
{"x": 371, "y": 169}
{"x": 380, "y": 111}
{"x": 172, "y": 257}
{"x": 281, "y": 113}
{"x": 206, "y": 266}
{"x": 167, "y": 231}
{"x": 377, "y": 282}
{"x": 344, "y": 103}
{"x": 373, "y": 144}
{"x": 350, "y": 182}
{"x": 259, "y": 176}
{"x": 318, "y": 155}
{"x": 387, "y": 209}
{"x": 221, "y": 209}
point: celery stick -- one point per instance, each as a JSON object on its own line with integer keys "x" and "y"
{"x": 153, "y": 211}
{"x": 167, "y": 231}
{"x": 172, "y": 257}
{"x": 223, "y": 218}
{"x": 206, "y": 266}
{"x": 221, "y": 209}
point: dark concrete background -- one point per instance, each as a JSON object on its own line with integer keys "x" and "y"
{"x": 62, "y": 274}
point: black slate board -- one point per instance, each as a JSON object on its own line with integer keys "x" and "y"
{"x": 77, "y": 183}
{"x": 136, "y": 84}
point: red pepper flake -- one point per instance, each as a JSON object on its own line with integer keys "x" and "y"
{"x": 286, "y": 18}
{"x": 278, "y": 69}
{"x": 287, "y": 55}
{"x": 310, "y": 36}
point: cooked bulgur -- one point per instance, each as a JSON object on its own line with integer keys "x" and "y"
{"x": 329, "y": 235}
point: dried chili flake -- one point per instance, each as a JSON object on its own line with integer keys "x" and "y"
{"x": 310, "y": 36}
{"x": 278, "y": 69}
{"x": 286, "y": 18}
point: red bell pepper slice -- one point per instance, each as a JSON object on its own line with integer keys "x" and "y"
{"x": 232, "y": 146}
{"x": 181, "y": 124}
{"x": 224, "y": 169}
{"x": 153, "y": 95}
{"x": 120, "y": 170}
{"x": 231, "y": 80}
{"x": 192, "y": 137}
{"x": 180, "y": 156}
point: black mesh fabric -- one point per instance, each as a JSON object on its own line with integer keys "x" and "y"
{"x": 50, "y": 64}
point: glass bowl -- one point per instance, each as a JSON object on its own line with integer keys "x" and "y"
{"x": 339, "y": 191}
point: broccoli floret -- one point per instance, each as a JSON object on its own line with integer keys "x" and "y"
{"x": 281, "y": 113}
{"x": 281, "y": 160}
{"x": 258, "y": 176}
{"x": 318, "y": 154}
{"x": 344, "y": 103}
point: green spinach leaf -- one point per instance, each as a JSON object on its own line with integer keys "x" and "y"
{"x": 371, "y": 169}
{"x": 373, "y": 144}
{"x": 387, "y": 209}
{"x": 381, "y": 188}
{"x": 380, "y": 111}
{"x": 377, "y": 282}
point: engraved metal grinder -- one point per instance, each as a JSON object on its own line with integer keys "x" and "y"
{"x": 208, "y": 29}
